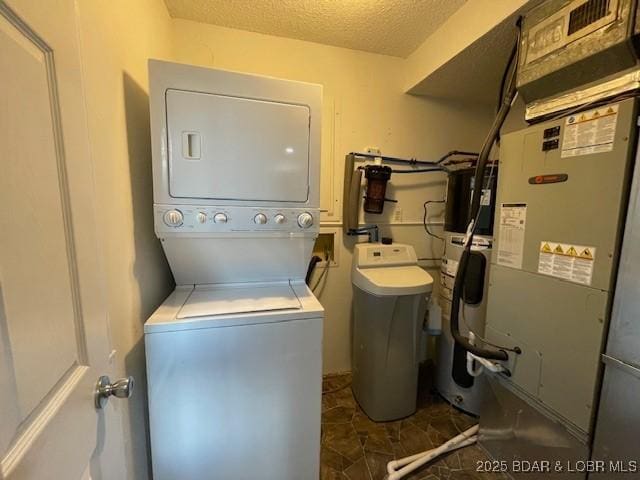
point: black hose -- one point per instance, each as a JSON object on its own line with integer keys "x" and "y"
{"x": 466, "y": 253}
{"x": 505, "y": 75}
{"x": 421, "y": 170}
{"x": 474, "y": 215}
{"x": 312, "y": 266}
{"x": 413, "y": 161}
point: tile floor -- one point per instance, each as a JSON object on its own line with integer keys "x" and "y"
{"x": 356, "y": 448}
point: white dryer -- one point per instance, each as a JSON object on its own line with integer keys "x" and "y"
{"x": 234, "y": 359}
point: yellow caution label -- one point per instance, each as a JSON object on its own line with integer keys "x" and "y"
{"x": 596, "y": 114}
{"x": 586, "y": 253}
{"x": 582, "y": 117}
{"x": 610, "y": 110}
{"x": 572, "y": 262}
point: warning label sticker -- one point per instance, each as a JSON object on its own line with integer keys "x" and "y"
{"x": 590, "y": 132}
{"x": 513, "y": 220}
{"x": 569, "y": 262}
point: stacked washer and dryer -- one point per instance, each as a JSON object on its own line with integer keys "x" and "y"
{"x": 234, "y": 357}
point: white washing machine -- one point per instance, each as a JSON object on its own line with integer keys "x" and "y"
{"x": 234, "y": 359}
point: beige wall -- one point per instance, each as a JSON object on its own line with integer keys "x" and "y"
{"x": 364, "y": 105}
{"x": 117, "y": 38}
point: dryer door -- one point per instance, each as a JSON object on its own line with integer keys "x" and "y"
{"x": 232, "y": 148}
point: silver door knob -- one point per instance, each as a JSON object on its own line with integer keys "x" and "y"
{"x": 122, "y": 388}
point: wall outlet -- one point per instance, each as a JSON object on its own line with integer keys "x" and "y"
{"x": 325, "y": 244}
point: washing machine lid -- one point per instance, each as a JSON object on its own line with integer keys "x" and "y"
{"x": 211, "y": 300}
{"x": 234, "y": 305}
{"x": 403, "y": 280}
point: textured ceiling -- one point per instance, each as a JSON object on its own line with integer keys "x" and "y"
{"x": 391, "y": 27}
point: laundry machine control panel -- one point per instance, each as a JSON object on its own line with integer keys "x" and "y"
{"x": 208, "y": 219}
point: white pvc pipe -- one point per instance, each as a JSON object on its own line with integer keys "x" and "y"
{"x": 476, "y": 371}
{"x": 489, "y": 365}
{"x": 473, "y": 369}
{"x": 409, "y": 464}
{"x": 394, "y": 465}
{"x": 401, "y": 462}
{"x": 428, "y": 457}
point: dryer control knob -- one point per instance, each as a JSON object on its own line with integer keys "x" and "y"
{"x": 279, "y": 218}
{"x": 202, "y": 217}
{"x": 220, "y": 218}
{"x": 305, "y": 220}
{"x": 173, "y": 218}
{"x": 260, "y": 219}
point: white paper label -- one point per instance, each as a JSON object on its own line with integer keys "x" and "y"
{"x": 450, "y": 267}
{"x": 513, "y": 221}
{"x": 590, "y": 132}
{"x": 568, "y": 262}
{"x": 485, "y": 199}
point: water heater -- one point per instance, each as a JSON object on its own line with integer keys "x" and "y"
{"x": 453, "y": 381}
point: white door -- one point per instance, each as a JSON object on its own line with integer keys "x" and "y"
{"x": 53, "y": 328}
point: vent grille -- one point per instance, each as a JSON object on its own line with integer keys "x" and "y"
{"x": 586, "y": 14}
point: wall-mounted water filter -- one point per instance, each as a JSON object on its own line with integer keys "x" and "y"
{"x": 377, "y": 177}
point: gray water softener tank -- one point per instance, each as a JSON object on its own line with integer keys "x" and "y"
{"x": 390, "y": 298}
